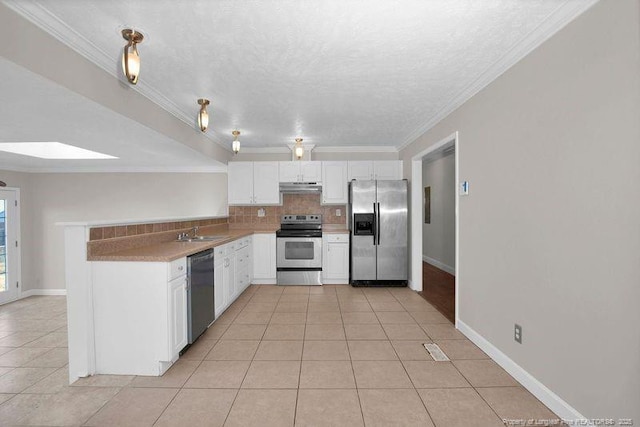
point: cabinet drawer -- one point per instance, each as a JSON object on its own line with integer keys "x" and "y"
{"x": 219, "y": 252}
{"x": 241, "y": 243}
{"x": 177, "y": 268}
{"x": 243, "y": 278}
{"x": 337, "y": 238}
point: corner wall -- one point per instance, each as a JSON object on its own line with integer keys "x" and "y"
{"x": 550, "y": 233}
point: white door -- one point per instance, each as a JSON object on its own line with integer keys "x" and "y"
{"x": 387, "y": 169}
{"x": 335, "y": 188}
{"x": 311, "y": 171}
{"x": 264, "y": 257}
{"x": 240, "y": 183}
{"x": 289, "y": 171}
{"x": 362, "y": 170}
{"x": 9, "y": 241}
{"x": 178, "y": 315}
{"x": 266, "y": 187}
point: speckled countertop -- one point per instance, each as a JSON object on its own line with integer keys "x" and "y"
{"x": 172, "y": 250}
{"x": 335, "y": 229}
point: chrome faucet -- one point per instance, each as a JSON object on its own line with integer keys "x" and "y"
{"x": 195, "y": 231}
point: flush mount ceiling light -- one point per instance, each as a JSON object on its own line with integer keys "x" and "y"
{"x": 298, "y": 149}
{"x": 52, "y": 150}
{"x": 203, "y": 115}
{"x": 236, "y": 143}
{"x": 130, "y": 57}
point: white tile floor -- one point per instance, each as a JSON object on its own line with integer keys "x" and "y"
{"x": 331, "y": 355}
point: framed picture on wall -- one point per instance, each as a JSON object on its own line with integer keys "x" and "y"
{"x": 427, "y": 205}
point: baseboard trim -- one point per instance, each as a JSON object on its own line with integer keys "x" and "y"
{"x": 528, "y": 381}
{"x": 440, "y": 265}
{"x": 263, "y": 282}
{"x": 48, "y": 292}
{"x": 335, "y": 282}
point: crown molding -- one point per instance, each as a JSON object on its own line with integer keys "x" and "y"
{"x": 564, "y": 14}
{"x": 357, "y": 149}
{"x": 265, "y": 150}
{"x": 44, "y": 19}
{"x": 117, "y": 169}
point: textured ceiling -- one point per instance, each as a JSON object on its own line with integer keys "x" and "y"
{"x": 335, "y": 72}
{"x": 34, "y": 109}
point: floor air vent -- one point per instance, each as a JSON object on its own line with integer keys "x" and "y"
{"x": 436, "y": 352}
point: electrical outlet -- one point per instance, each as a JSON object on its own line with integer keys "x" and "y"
{"x": 261, "y": 213}
{"x": 338, "y": 212}
{"x": 517, "y": 333}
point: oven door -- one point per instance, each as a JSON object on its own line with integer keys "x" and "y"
{"x": 299, "y": 252}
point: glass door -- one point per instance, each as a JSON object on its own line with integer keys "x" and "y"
{"x": 9, "y": 251}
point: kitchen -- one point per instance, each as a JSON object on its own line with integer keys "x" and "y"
{"x": 263, "y": 350}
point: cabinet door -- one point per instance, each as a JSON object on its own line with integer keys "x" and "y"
{"x": 361, "y": 170}
{"x": 334, "y": 183}
{"x": 264, "y": 257}
{"x": 337, "y": 255}
{"x": 266, "y": 187}
{"x": 240, "y": 183}
{"x": 177, "y": 315}
{"x": 387, "y": 169}
{"x": 311, "y": 171}
{"x": 229, "y": 281}
{"x": 218, "y": 273}
{"x": 289, "y": 171}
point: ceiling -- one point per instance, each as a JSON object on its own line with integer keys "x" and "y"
{"x": 34, "y": 109}
{"x": 366, "y": 73}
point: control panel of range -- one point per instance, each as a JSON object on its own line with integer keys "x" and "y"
{"x": 301, "y": 219}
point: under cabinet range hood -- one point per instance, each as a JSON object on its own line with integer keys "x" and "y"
{"x": 300, "y": 187}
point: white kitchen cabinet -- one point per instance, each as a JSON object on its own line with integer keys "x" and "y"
{"x": 139, "y": 316}
{"x": 387, "y": 169}
{"x": 335, "y": 258}
{"x": 264, "y": 258}
{"x": 243, "y": 257}
{"x": 335, "y": 187}
{"x": 218, "y": 274}
{"x": 178, "y": 314}
{"x": 232, "y": 270}
{"x": 300, "y": 171}
{"x": 266, "y": 188}
{"x": 251, "y": 183}
{"x": 377, "y": 169}
{"x": 240, "y": 183}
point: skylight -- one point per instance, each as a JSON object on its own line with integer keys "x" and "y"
{"x": 51, "y": 150}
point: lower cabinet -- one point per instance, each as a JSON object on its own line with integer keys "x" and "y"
{"x": 335, "y": 258}
{"x": 139, "y": 316}
{"x": 177, "y": 315}
{"x": 232, "y": 272}
{"x": 264, "y": 258}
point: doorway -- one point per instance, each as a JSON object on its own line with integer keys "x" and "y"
{"x": 9, "y": 250}
{"x": 434, "y": 208}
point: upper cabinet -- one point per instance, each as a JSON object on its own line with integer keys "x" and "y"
{"x": 335, "y": 187}
{"x": 300, "y": 171}
{"x": 376, "y": 169}
{"x": 251, "y": 183}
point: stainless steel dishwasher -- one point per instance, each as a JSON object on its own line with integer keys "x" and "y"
{"x": 200, "y": 293}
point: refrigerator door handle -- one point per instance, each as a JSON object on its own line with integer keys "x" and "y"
{"x": 378, "y": 224}
{"x": 375, "y": 223}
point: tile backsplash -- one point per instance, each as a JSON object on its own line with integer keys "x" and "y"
{"x": 109, "y": 232}
{"x": 291, "y": 204}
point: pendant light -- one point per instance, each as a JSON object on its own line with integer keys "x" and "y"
{"x": 298, "y": 149}
{"x": 130, "y": 57}
{"x": 203, "y": 115}
{"x": 236, "y": 143}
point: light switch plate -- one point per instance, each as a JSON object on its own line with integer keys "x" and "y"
{"x": 464, "y": 188}
{"x": 261, "y": 213}
{"x": 338, "y": 212}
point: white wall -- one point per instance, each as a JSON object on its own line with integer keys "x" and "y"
{"x": 51, "y": 198}
{"x": 342, "y": 155}
{"x": 439, "y": 237}
{"x": 550, "y": 233}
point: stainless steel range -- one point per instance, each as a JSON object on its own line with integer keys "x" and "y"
{"x": 299, "y": 250}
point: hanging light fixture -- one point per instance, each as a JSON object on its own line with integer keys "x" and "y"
{"x": 298, "y": 149}
{"x": 236, "y": 143}
{"x": 203, "y": 115}
{"x": 130, "y": 57}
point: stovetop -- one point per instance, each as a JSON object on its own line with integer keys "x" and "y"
{"x": 300, "y": 226}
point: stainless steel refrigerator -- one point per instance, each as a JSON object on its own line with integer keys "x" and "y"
{"x": 379, "y": 228}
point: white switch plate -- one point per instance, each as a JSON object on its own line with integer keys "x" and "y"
{"x": 464, "y": 188}
{"x": 338, "y": 212}
{"x": 261, "y": 213}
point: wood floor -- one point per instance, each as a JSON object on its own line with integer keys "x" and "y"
{"x": 439, "y": 288}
